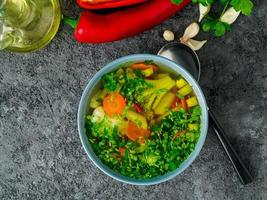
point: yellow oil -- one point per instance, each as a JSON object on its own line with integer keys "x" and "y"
{"x": 34, "y": 23}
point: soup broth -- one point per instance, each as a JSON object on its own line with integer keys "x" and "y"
{"x": 143, "y": 121}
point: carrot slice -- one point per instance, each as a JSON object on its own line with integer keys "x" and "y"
{"x": 143, "y": 66}
{"x": 134, "y": 133}
{"x": 114, "y": 104}
{"x": 122, "y": 151}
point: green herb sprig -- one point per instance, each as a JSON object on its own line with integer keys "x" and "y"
{"x": 213, "y": 23}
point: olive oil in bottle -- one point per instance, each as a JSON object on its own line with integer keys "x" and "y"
{"x": 28, "y": 25}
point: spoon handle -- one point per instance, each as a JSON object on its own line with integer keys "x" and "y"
{"x": 243, "y": 173}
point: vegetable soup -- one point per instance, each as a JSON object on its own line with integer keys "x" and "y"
{"x": 143, "y": 122}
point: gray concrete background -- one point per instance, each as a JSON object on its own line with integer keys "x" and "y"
{"x": 41, "y": 156}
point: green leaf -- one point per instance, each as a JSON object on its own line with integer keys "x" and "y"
{"x": 224, "y": 2}
{"x": 204, "y": 2}
{"x": 219, "y": 29}
{"x": 70, "y": 21}
{"x": 245, "y": 6}
{"x": 208, "y": 23}
{"x": 211, "y": 24}
{"x": 227, "y": 26}
{"x": 206, "y": 26}
{"x": 176, "y": 1}
{"x": 172, "y": 166}
{"x": 209, "y": 2}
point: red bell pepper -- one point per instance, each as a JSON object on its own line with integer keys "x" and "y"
{"x": 184, "y": 104}
{"x": 176, "y": 102}
{"x": 137, "y": 107}
{"x": 96, "y": 28}
{"x": 107, "y": 3}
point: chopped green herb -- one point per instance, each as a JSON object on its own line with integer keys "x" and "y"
{"x": 109, "y": 82}
{"x": 133, "y": 88}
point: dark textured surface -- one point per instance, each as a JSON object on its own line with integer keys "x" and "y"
{"x": 41, "y": 156}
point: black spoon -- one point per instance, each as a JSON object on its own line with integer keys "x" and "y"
{"x": 186, "y": 57}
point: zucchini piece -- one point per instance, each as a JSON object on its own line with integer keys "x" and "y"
{"x": 158, "y": 84}
{"x": 181, "y": 83}
{"x": 137, "y": 118}
{"x": 191, "y": 102}
{"x": 98, "y": 97}
{"x": 119, "y": 72}
{"x": 119, "y": 75}
{"x": 158, "y": 99}
{"x": 130, "y": 73}
{"x": 187, "y": 89}
{"x": 147, "y": 72}
{"x": 165, "y": 104}
{"x": 162, "y": 75}
{"x": 150, "y": 101}
{"x": 95, "y": 101}
{"x": 102, "y": 94}
{"x": 160, "y": 96}
{"x": 154, "y": 95}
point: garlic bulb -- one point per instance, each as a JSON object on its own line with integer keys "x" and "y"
{"x": 195, "y": 44}
{"x": 230, "y": 16}
{"x": 203, "y": 10}
{"x": 191, "y": 31}
{"x": 168, "y": 35}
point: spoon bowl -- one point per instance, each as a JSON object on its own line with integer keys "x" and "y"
{"x": 184, "y": 56}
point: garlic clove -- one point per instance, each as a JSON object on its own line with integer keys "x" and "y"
{"x": 230, "y": 16}
{"x": 168, "y": 35}
{"x": 203, "y": 10}
{"x": 183, "y": 40}
{"x": 191, "y": 31}
{"x": 195, "y": 44}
